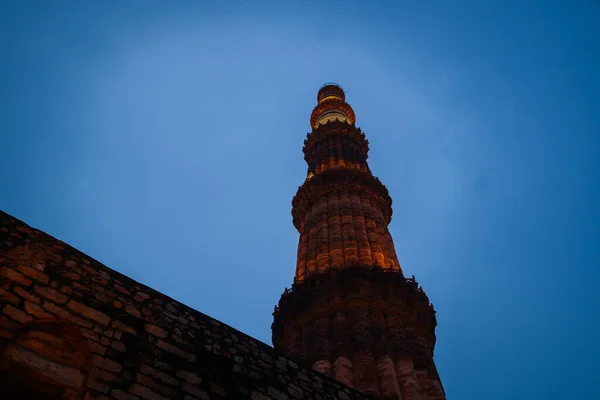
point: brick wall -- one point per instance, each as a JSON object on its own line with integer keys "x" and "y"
{"x": 72, "y": 328}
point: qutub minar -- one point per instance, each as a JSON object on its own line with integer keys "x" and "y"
{"x": 351, "y": 327}
{"x": 351, "y": 313}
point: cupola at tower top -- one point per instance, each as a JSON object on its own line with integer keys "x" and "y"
{"x": 331, "y": 106}
{"x": 331, "y": 90}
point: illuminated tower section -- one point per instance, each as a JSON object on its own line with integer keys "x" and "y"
{"x": 351, "y": 314}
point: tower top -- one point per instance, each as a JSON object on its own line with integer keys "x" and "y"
{"x": 332, "y": 90}
{"x": 331, "y": 106}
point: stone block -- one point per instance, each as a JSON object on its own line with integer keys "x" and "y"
{"x": 61, "y": 312}
{"x": 90, "y": 334}
{"x": 151, "y": 383}
{"x": 123, "y": 327}
{"x": 145, "y": 393}
{"x": 8, "y": 324}
{"x": 256, "y": 395}
{"x": 147, "y": 370}
{"x": 34, "y": 274}
{"x": 16, "y": 314}
{"x": 15, "y": 276}
{"x": 63, "y": 374}
{"x": 121, "y": 290}
{"x": 121, "y": 395}
{"x": 36, "y": 311}
{"x": 97, "y": 348}
{"x": 26, "y": 294}
{"x": 195, "y": 391}
{"x": 98, "y": 386}
{"x": 88, "y": 312}
{"x": 8, "y": 297}
{"x": 51, "y": 294}
{"x": 175, "y": 350}
{"x": 277, "y": 394}
{"x": 119, "y": 346}
{"x": 132, "y": 310}
{"x": 106, "y": 363}
{"x": 189, "y": 377}
{"x": 156, "y": 331}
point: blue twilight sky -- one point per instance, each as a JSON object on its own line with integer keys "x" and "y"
{"x": 165, "y": 141}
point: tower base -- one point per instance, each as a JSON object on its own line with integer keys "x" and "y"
{"x": 369, "y": 328}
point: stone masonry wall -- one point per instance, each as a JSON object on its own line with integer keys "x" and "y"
{"x": 72, "y": 328}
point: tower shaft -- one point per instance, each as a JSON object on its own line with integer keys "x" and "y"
{"x": 351, "y": 314}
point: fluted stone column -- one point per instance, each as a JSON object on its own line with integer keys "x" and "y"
{"x": 351, "y": 313}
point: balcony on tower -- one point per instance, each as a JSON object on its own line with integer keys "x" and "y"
{"x": 331, "y": 106}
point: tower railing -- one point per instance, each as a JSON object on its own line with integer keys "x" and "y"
{"x": 331, "y": 84}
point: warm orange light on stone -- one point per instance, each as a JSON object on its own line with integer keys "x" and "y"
{"x": 351, "y": 313}
{"x": 331, "y": 106}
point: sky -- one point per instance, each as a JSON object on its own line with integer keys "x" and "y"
{"x": 164, "y": 139}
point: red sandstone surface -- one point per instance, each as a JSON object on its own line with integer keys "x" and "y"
{"x": 351, "y": 314}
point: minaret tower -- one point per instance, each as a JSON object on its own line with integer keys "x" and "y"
{"x": 351, "y": 314}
